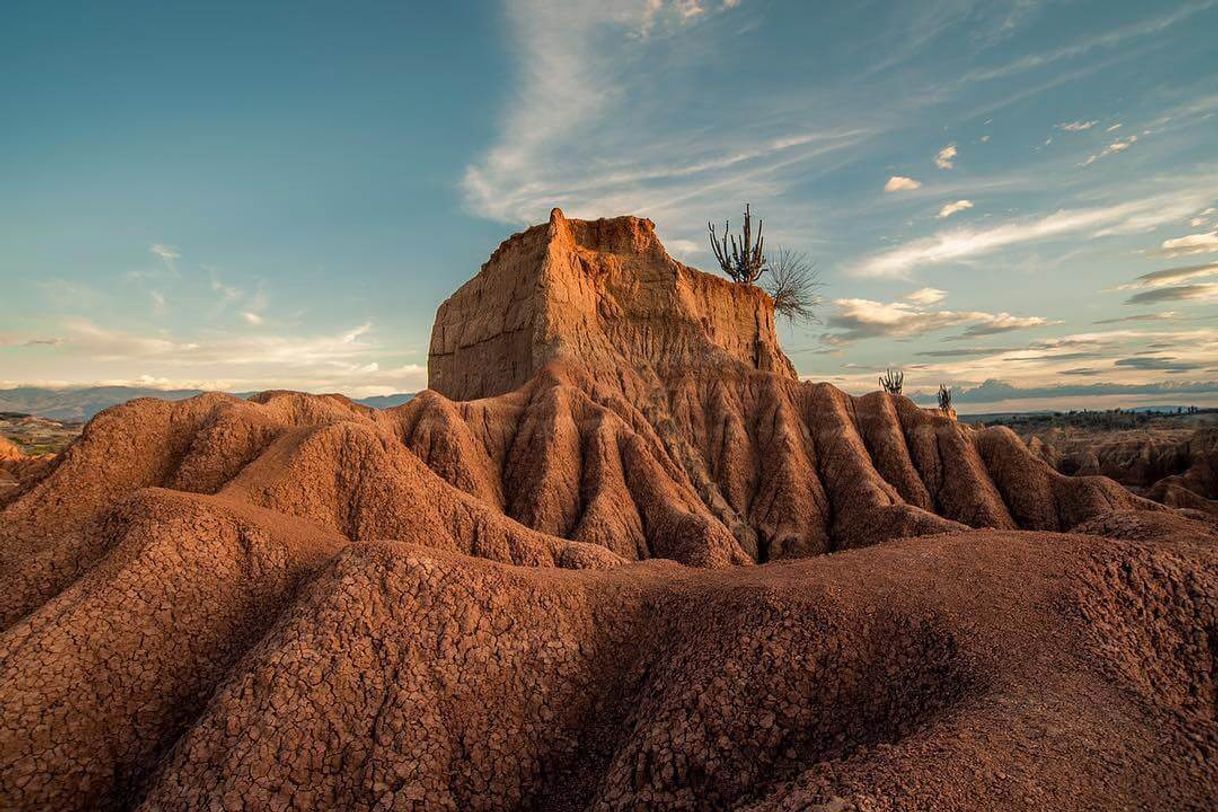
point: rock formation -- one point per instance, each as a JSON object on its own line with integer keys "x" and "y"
{"x": 606, "y": 294}
{"x": 1176, "y": 467}
{"x": 533, "y": 586}
{"x": 604, "y": 325}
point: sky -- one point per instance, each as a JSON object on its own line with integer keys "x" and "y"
{"x": 1015, "y": 198}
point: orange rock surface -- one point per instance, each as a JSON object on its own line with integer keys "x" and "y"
{"x": 535, "y": 585}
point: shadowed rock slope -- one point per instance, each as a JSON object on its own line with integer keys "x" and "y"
{"x": 299, "y": 602}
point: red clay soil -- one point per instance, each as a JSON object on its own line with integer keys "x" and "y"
{"x": 297, "y": 602}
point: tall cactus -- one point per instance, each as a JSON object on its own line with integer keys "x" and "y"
{"x": 893, "y": 381}
{"x": 945, "y": 397}
{"x": 744, "y": 262}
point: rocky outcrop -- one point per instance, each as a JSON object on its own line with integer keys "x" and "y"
{"x": 596, "y": 331}
{"x": 605, "y": 295}
{"x": 535, "y": 591}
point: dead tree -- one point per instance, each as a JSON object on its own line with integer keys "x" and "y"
{"x": 793, "y": 284}
{"x": 744, "y": 262}
{"x": 893, "y": 381}
{"x": 945, "y": 398}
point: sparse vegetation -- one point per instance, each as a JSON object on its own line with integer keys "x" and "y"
{"x": 945, "y": 397}
{"x": 745, "y": 261}
{"x": 893, "y": 381}
{"x": 794, "y": 285}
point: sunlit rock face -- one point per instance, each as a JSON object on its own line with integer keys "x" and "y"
{"x": 603, "y": 294}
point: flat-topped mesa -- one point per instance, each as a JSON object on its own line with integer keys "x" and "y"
{"x": 605, "y": 295}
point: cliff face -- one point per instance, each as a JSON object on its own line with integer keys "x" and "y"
{"x": 603, "y": 294}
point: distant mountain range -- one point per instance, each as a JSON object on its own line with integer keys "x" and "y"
{"x": 81, "y": 404}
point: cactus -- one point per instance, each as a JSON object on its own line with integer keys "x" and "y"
{"x": 893, "y": 381}
{"x": 745, "y": 262}
{"x": 945, "y": 397}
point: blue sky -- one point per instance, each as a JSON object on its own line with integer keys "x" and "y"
{"x": 256, "y": 195}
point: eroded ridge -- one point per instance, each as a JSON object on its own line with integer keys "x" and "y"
{"x": 541, "y": 598}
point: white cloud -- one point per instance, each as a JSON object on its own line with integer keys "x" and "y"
{"x": 951, "y": 208}
{"x": 1119, "y": 145}
{"x": 962, "y": 244}
{"x": 168, "y": 255}
{"x": 900, "y": 183}
{"x": 350, "y": 361}
{"x": 165, "y": 252}
{"x": 1191, "y": 244}
{"x": 855, "y": 319}
{"x": 926, "y": 296}
{"x": 945, "y": 159}
{"x": 1077, "y": 126}
{"x": 159, "y": 302}
{"x": 1114, "y": 127}
{"x": 1202, "y": 217}
{"x": 689, "y": 8}
{"x": 251, "y": 317}
{"x": 684, "y": 249}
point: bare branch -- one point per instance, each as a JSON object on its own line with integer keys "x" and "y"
{"x": 794, "y": 285}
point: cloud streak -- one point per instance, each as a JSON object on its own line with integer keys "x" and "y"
{"x": 857, "y": 319}
{"x": 959, "y": 245}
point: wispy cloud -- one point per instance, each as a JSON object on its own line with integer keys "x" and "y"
{"x": 1191, "y": 244}
{"x": 1159, "y": 363}
{"x": 946, "y": 157}
{"x": 1076, "y": 126}
{"x": 1181, "y": 293}
{"x": 1112, "y": 38}
{"x": 348, "y": 360}
{"x": 949, "y": 209}
{"x": 856, "y": 319}
{"x": 565, "y": 139}
{"x": 968, "y": 243}
{"x": 1167, "y": 315}
{"x": 168, "y": 255}
{"x": 1119, "y": 145}
{"x": 228, "y": 293}
{"x": 926, "y": 296}
{"x": 1171, "y": 276}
